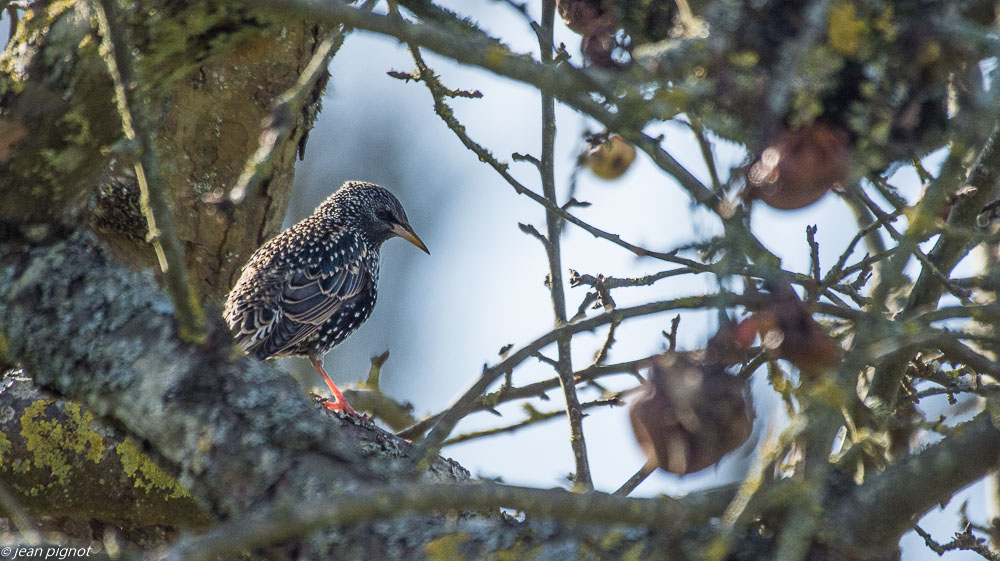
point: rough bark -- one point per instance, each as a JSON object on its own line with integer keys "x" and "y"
{"x": 215, "y": 69}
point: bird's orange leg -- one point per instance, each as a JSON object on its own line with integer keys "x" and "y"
{"x": 340, "y": 404}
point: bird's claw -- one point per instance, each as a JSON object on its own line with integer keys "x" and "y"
{"x": 340, "y": 406}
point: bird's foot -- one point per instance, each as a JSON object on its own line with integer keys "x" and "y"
{"x": 341, "y": 406}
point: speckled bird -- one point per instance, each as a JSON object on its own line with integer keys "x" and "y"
{"x": 307, "y": 289}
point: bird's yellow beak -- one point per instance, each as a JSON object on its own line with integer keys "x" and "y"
{"x": 407, "y": 233}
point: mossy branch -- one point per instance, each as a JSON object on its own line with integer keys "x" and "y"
{"x": 56, "y": 456}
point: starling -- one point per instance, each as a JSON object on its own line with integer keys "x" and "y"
{"x": 307, "y": 289}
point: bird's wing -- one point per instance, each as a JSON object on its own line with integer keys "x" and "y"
{"x": 310, "y": 295}
{"x": 313, "y": 295}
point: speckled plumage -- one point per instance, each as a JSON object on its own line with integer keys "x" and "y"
{"x": 307, "y": 289}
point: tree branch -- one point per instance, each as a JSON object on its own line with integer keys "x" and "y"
{"x": 951, "y": 246}
{"x": 557, "y": 290}
{"x": 489, "y": 401}
{"x": 667, "y": 516}
{"x": 460, "y": 408}
{"x": 889, "y": 503}
{"x": 58, "y": 457}
{"x": 238, "y": 430}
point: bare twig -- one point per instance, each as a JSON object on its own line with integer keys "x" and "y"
{"x": 537, "y": 389}
{"x": 449, "y": 418}
{"x": 972, "y": 311}
{"x": 987, "y": 281}
{"x": 519, "y": 157}
{"x": 637, "y": 478}
{"x": 589, "y": 299}
{"x": 759, "y": 359}
{"x": 533, "y": 417}
{"x": 533, "y": 232}
{"x": 602, "y": 354}
{"x": 813, "y": 251}
{"x": 553, "y": 222}
{"x": 601, "y": 282}
{"x": 963, "y": 541}
{"x": 951, "y": 391}
{"x": 705, "y": 145}
{"x": 672, "y": 334}
{"x": 375, "y": 371}
{"x": 866, "y": 232}
{"x": 546, "y": 360}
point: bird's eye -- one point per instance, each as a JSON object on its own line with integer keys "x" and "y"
{"x": 384, "y": 216}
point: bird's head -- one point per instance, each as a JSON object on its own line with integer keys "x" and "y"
{"x": 374, "y": 210}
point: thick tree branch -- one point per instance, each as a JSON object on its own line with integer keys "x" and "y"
{"x": 879, "y": 512}
{"x": 57, "y": 457}
{"x": 234, "y": 427}
{"x": 667, "y": 516}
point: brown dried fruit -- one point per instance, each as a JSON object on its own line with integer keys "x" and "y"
{"x": 690, "y": 414}
{"x": 788, "y": 330}
{"x": 800, "y": 167}
{"x": 580, "y": 15}
{"x": 596, "y": 24}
